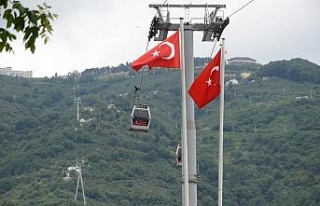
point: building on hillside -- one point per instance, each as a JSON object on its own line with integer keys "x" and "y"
{"x": 245, "y": 75}
{"x": 241, "y": 60}
{"x": 7, "y": 71}
{"x": 111, "y": 106}
{"x": 88, "y": 108}
{"x": 232, "y": 82}
{"x": 230, "y": 76}
{"x": 74, "y": 74}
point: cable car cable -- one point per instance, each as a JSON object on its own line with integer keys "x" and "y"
{"x": 140, "y": 115}
{"x": 214, "y": 45}
{"x": 240, "y": 8}
{"x": 137, "y": 91}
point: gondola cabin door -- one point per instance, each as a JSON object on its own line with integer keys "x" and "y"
{"x": 140, "y": 118}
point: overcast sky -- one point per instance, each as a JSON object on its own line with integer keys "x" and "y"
{"x": 101, "y": 33}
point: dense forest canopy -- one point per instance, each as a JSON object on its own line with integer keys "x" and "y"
{"x": 298, "y": 70}
{"x": 271, "y": 138}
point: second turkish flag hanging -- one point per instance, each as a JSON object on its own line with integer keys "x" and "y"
{"x": 206, "y": 87}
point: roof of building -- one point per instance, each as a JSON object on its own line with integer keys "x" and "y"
{"x": 241, "y": 58}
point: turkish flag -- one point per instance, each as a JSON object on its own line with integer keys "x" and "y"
{"x": 206, "y": 87}
{"x": 166, "y": 54}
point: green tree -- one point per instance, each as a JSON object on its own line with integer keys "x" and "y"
{"x": 32, "y": 23}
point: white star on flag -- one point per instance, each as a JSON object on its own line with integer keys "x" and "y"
{"x": 209, "y": 81}
{"x": 155, "y": 53}
{"x": 206, "y": 87}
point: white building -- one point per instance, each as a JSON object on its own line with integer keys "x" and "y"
{"x": 7, "y": 71}
{"x": 232, "y": 82}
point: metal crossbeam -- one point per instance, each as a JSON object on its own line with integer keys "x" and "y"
{"x": 218, "y": 6}
{"x": 212, "y": 27}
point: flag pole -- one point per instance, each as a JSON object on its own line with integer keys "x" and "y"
{"x": 185, "y": 170}
{"x": 220, "y": 172}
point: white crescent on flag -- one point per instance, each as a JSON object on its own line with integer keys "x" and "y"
{"x": 209, "y": 81}
{"x": 172, "y": 53}
{"x": 216, "y": 68}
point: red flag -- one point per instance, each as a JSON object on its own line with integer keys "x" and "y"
{"x": 206, "y": 87}
{"x": 166, "y": 54}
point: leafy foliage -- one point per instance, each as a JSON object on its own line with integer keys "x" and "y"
{"x": 297, "y": 70}
{"x": 32, "y": 23}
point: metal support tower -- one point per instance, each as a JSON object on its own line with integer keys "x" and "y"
{"x": 212, "y": 28}
{"x": 80, "y": 180}
{"x": 77, "y": 100}
{"x": 79, "y": 165}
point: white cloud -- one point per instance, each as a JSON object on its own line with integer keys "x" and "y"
{"x": 100, "y": 33}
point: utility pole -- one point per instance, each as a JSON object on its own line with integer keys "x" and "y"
{"x": 212, "y": 28}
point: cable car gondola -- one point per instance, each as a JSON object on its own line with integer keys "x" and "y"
{"x": 179, "y": 155}
{"x": 140, "y": 118}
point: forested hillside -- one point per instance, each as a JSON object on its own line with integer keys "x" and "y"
{"x": 271, "y": 139}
